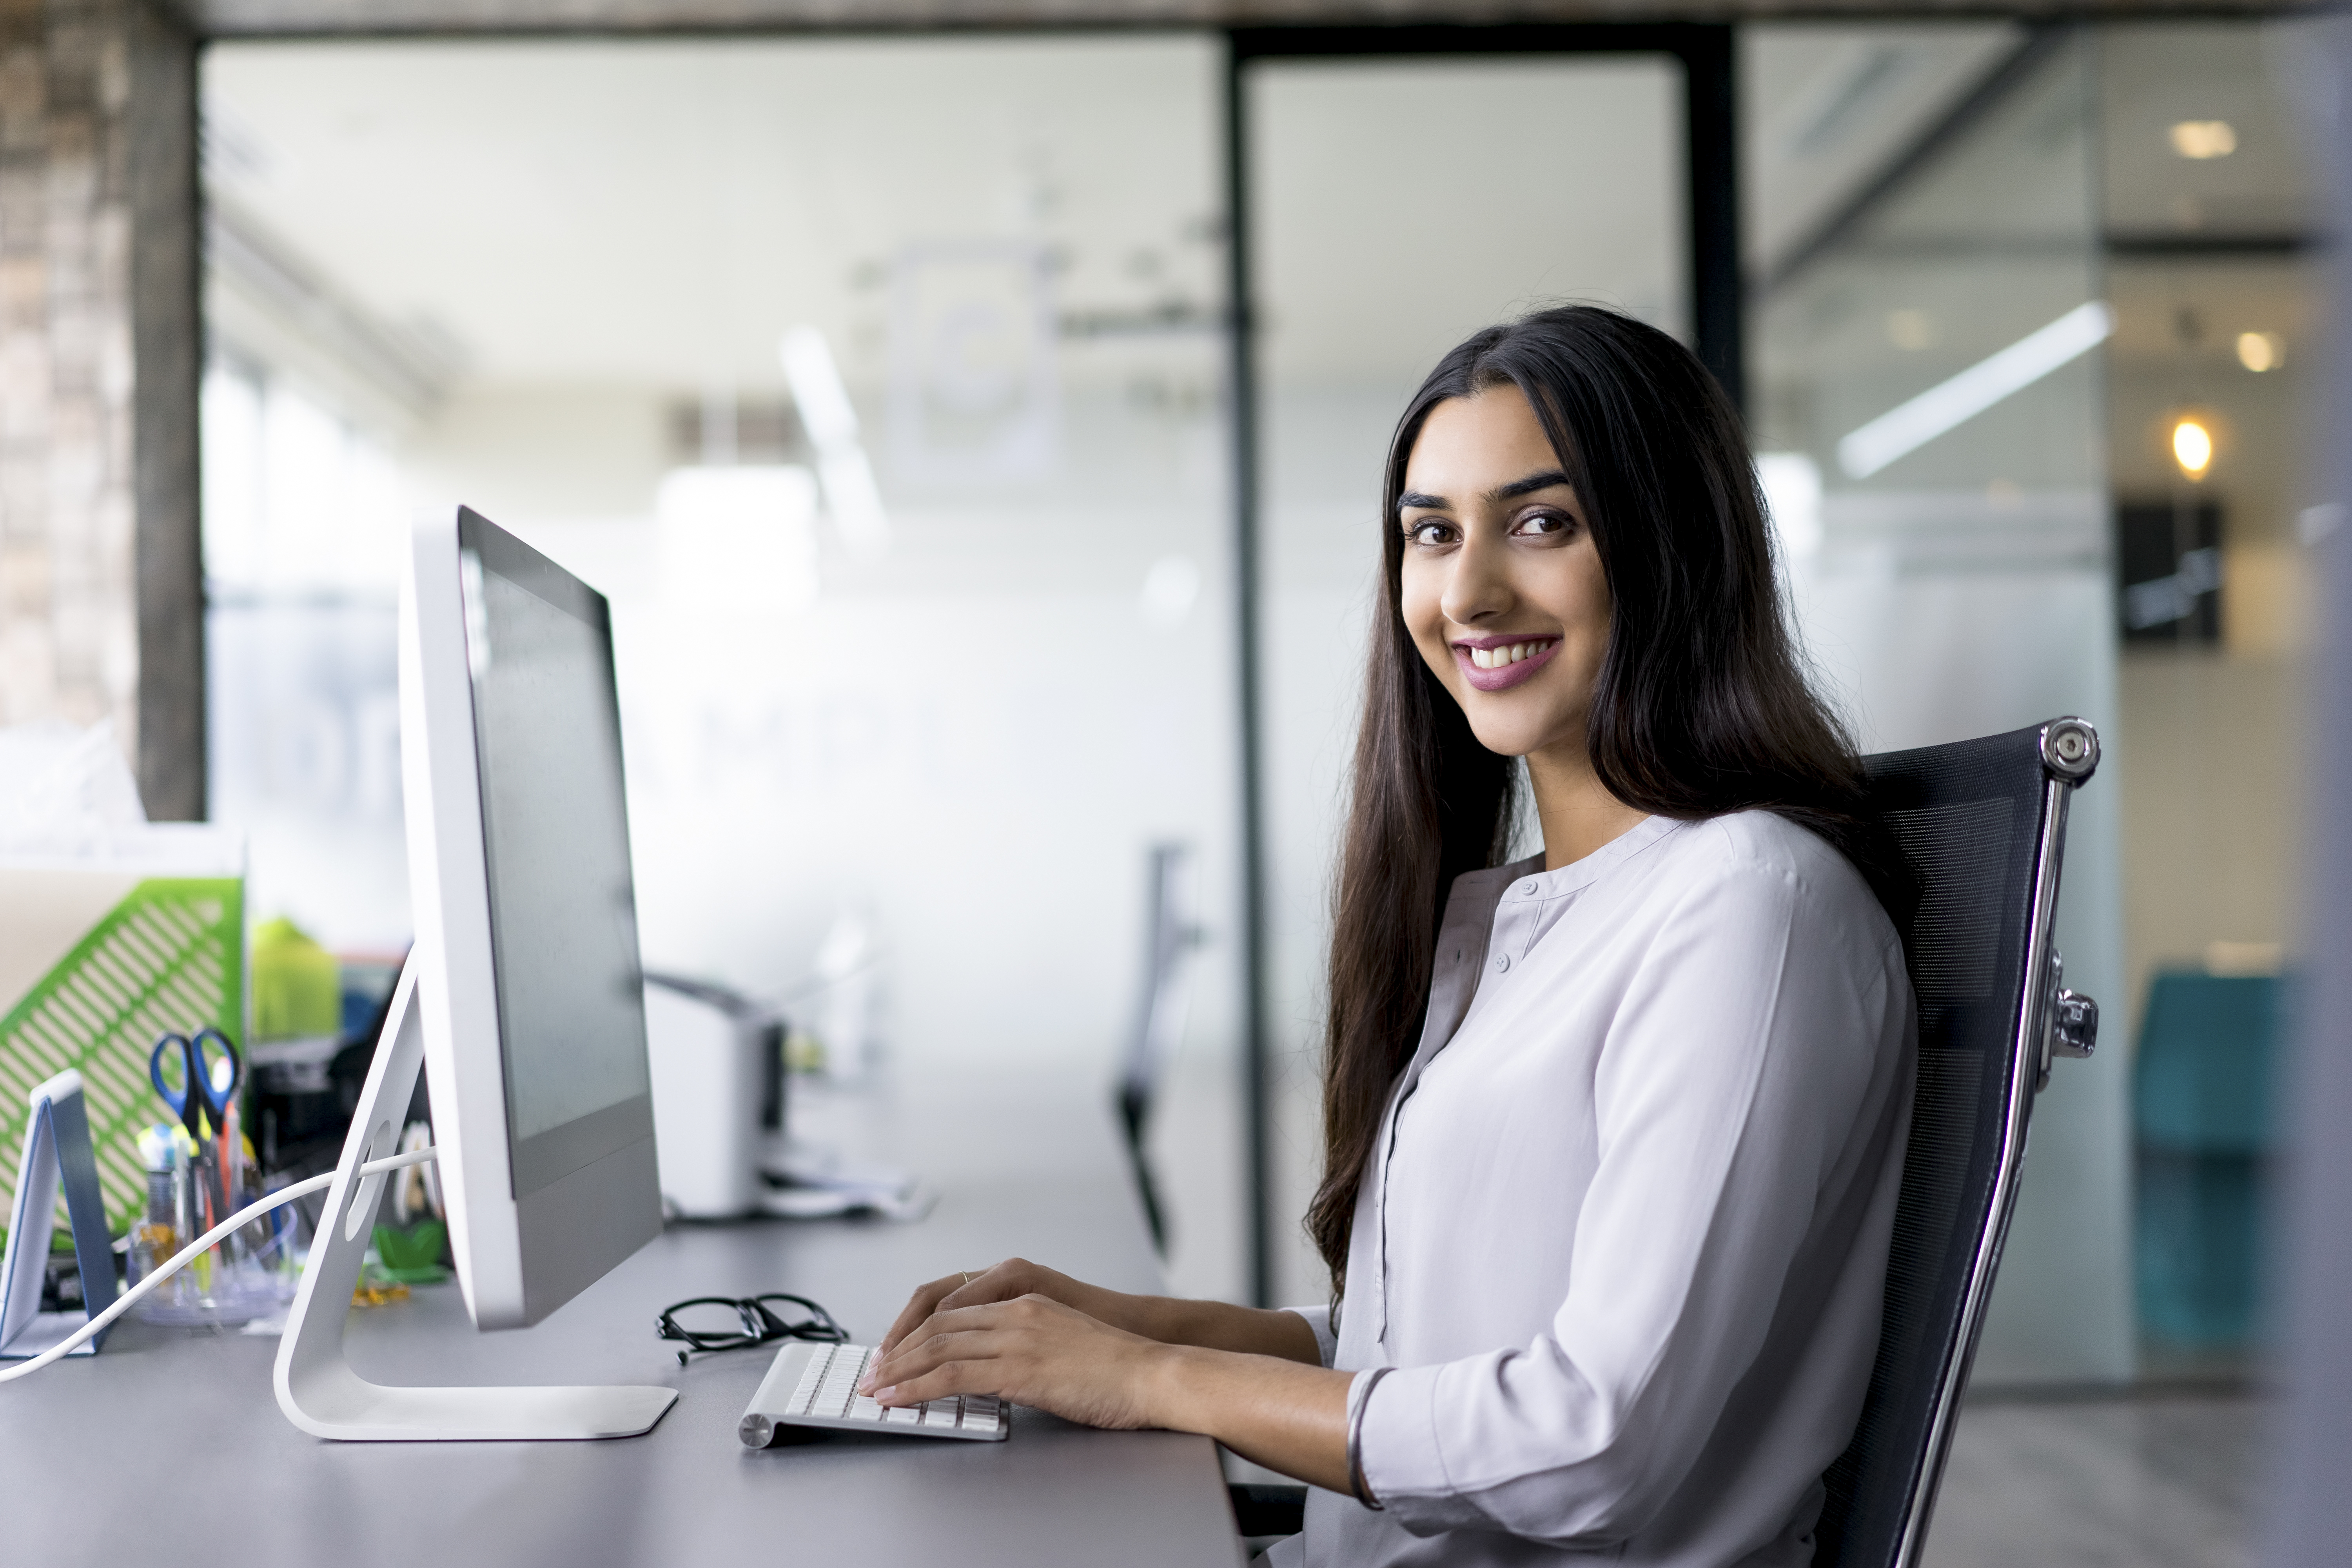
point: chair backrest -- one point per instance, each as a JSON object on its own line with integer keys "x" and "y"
{"x": 1983, "y": 823}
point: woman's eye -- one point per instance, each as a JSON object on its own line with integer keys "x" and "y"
{"x": 1547, "y": 523}
{"x": 1427, "y": 534}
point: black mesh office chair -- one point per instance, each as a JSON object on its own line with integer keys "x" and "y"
{"x": 1983, "y": 823}
{"x": 1984, "y": 826}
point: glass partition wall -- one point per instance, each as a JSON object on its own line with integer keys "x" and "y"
{"x": 2030, "y": 329}
{"x": 1946, "y": 537}
{"x": 1395, "y": 208}
{"x": 923, "y": 627}
{"x": 2213, "y": 213}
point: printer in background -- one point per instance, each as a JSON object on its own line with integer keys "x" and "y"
{"x": 721, "y": 1123}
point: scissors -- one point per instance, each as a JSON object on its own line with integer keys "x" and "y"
{"x": 204, "y": 1083}
{"x": 207, "y": 1083}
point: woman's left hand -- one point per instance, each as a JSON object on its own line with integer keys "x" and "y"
{"x": 1033, "y": 1351}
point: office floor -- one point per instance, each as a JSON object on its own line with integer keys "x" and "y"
{"x": 2155, "y": 1479}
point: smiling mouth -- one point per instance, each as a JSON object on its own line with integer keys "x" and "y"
{"x": 1497, "y": 664}
{"x": 1507, "y": 654}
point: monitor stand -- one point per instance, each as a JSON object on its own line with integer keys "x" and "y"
{"x": 316, "y": 1385}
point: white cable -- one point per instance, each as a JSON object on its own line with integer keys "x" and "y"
{"x": 187, "y": 1255}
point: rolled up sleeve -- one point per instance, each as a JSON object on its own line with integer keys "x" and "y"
{"x": 1318, "y": 1318}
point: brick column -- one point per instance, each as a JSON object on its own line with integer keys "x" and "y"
{"x": 100, "y": 583}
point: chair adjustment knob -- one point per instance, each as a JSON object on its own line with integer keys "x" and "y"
{"x": 2073, "y": 1026}
{"x": 2070, "y": 749}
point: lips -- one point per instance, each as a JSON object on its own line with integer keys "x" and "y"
{"x": 1508, "y": 661}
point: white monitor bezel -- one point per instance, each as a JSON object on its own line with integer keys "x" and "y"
{"x": 518, "y": 1258}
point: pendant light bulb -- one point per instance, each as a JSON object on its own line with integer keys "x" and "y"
{"x": 2192, "y": 447}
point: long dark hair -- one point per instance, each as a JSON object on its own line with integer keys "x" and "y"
{"x": 1701, "y": 707}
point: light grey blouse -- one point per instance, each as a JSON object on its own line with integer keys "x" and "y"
{"x": 1624, "y": 1232}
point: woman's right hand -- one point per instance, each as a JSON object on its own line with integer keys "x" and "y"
{"x": 1013, "y": 1277}
{"x": 1208, "y": 1325}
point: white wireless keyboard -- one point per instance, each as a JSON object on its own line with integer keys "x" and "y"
{"x": 816, "y": 1386}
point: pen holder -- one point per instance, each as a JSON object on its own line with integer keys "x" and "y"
{"x": 235, "y": 1280}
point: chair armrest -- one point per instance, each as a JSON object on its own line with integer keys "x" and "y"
{"x": 1264, "y": 1509}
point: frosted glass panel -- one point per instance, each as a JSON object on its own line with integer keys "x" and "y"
{"x": 1928, "y": 397}
{"x": 916, "y": 664}
{"x": 1397, "y": 207}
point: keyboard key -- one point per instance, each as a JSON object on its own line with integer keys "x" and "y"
{"x": 904, "y": 1416}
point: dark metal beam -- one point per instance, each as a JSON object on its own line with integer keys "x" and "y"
{"x": 251, "y": 19}
{"x": 1711, "y": 140}
{"x": 1255, "y": 1056}
{"x": 2129, "y": 246}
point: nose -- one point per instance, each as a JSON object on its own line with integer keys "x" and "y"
{"x": 1479, "y": 588}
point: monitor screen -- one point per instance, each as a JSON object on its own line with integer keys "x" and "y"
{"x": 555, "y": 831}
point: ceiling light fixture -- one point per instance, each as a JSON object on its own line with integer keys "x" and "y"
{"x": 1910, "y": 330}
{"x": 2192, "y": 447}
{"x": 2260, "y": 351}
{"x": 2198, "y": 139}
{"x": 1910, "y": 426}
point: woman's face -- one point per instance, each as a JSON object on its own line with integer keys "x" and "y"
{"x": 1503, "y": 590}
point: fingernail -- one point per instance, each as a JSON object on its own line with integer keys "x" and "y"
{"x": 882, "y": 1395}
{"x": 865, "y": 1384}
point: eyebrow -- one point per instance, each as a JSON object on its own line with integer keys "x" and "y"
{"x": 1516, "y": 487}
{"x": 1531, "y": 484}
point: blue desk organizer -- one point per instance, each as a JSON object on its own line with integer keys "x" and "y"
{"x": 56, "y": 1152}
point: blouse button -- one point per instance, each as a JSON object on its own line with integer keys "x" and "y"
{"x": 1528, "y": 889}
{"x": 1502, "y": 961}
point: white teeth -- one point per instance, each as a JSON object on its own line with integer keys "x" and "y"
{"x": 1496, "y": 658}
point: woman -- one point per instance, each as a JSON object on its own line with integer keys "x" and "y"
{"x": 1613, "y": 1134}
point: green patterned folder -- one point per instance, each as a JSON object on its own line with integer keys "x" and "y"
{"x": 169, "y": 956}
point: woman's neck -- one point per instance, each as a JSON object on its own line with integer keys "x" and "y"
{"x": 1578, "y": 813}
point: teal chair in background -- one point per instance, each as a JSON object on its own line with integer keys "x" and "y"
{"x": 2203, "y": 1108}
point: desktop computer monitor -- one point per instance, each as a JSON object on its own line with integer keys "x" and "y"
{"x": 525, "y": 919}
{"x": 523, "y": 1001}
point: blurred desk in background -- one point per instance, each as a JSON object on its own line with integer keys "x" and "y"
{"x": 169, "y": 1443}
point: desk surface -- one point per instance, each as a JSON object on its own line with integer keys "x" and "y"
{"x": 170, "y": 1437}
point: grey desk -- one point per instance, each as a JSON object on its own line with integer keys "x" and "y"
{"x": 169, "y": 1447}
